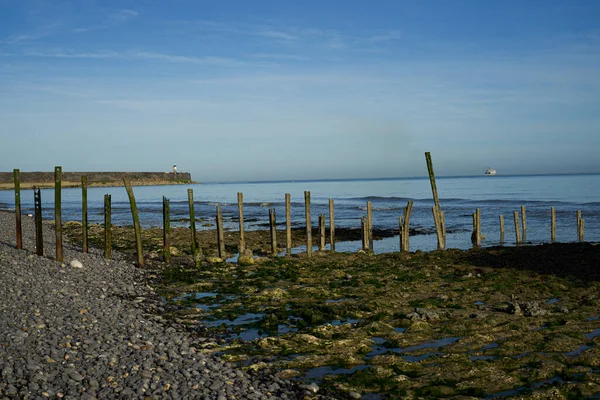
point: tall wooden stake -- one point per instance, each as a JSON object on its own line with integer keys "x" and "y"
{"x": 517, "y": 228}
{"x": 273, "y": 231}
{"x": 404, "y": 227}
{"x": 84, "y": 214}
{"x": 19, "y": 229}
{"x": 39, "y": 234}
{"x": 370, "y": 223}
{"x": 242, "y": 245}
{"x": 439, "y": 223}
{"x": 136, "y": 223}
{"x": 220, "y": 233}
{"x": 524, "y": 224}
{"x": 288, "y": 224}
{"x": 166, "y": 230}
{"x": 331, "y": 226}
{"x": 365, "y": 236}
{"x": 501, "y": 229}
{"x": 107, "y": 227}
{"x": 194, "y": 244}
{"x": 552, "y": 225}
{"x": 308, "y": 224}
{"x": 57, "y": 213}
{"x": 478, "y": 227}
{"x": 321, "y": 232}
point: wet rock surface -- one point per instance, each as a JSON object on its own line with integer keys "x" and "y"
{"x": 90, "y": 328}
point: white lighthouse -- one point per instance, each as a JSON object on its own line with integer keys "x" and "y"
{"x": 174, "y": 168}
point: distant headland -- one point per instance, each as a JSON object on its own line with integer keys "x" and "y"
{"x": 95, "y": 179}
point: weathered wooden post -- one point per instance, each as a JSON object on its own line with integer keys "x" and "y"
{"x": 136, "y": 223}
{"x": 579, "y": 226}
{"x": 166, "y": 230}
{"x": 524, "y": 224}
{"x": 501, "y": 229}
{"x": 582, "y": 230}
{"x": 478, "y": 227}
{"x": 107, "y": 227}
{"x": 404, "y": 227}
{"x": 370, "y": 223}
{"x": 288, "y": 224}
{"x": 331, "y": 226}
{"x": 19, "y": 229}
{"x": 552, "y": 225}
{"x": 242, "y": 245}
{"x": 57, "y": 213}
{"x": 517, "y": 228}
{"x": 365, "y": 235}
{"x": 474, "y": 233}
{"x": 439, "y": 224}
{"x": 220, "y": 233}
{"x": 84, "y": 215}
{"x": 194, "y": 244}
{"x": 273, "y": 231}
{"x": 308, "y": 224}
{"x": 321, "y": 232}
{"x": 39, "y": 233}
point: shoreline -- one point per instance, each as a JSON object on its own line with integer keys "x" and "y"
{"x": 66, "y": 184}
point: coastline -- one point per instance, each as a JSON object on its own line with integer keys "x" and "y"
{"x": 67, "y": 184}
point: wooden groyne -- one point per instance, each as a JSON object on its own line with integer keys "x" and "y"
{"x": 94, "y": 179}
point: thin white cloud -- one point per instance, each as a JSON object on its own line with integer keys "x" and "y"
{"x": 122, "y": 16}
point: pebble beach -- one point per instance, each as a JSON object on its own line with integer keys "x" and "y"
{"x": 91, "y": 328}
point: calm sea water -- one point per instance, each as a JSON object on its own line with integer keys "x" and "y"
{"x": 459, "y": 197}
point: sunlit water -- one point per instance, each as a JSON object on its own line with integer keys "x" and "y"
{"x": 459, "y": 197}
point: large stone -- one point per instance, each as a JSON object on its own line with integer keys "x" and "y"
{"x": 245, "y": 260}
{"x": 76, "y": 264}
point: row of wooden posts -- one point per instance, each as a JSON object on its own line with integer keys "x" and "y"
{"x": 366, "y": 222}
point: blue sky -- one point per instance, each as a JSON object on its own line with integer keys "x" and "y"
{"x": 258, "y": 90}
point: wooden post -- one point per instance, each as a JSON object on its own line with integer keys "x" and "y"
{"x": 474, "y": 233}
{"x": 552, "y": 225}
{"x": 166, "y": 230}
{"x": 19, "y": 229}
{"x": 288, "y": 224}
{"x": 524, "y": 224}
{"x": 439, "y": 224}
{"x": 136, "y": 223}
{"x": 578, "y": 225}
{"x": 39, "y": 233}
{"x": 405, "y": 223}
{"x": 194, "y": 244}
{"x": 220, "y": 233}
{"x": 322, "y": 232}
{"x": 436, "y": 200}
{"x": 242, "y": 245}
{"x": 365, "y": 235}
{"x": 370, "y": 223}
{"x": 273, "y": 231}
{"x": 84, "y": 215}
{"x": 517, "y": 228}
{"x": 501, "y": 229}
{"x": 331, "y": 226}
{"x": 308, "y": 224}
{"x": 401, "y": 231}
{"x": 107, "y": 227}
{"x": 478, "y": 227}
{"x": 582, "y": 231}
{"x": 57, "y": 213}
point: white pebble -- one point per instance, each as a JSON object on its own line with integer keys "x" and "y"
{"x": 76, "y": 264}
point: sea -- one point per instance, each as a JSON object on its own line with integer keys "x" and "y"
{"x": 459, "y": 198}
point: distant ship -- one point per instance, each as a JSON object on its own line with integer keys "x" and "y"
{"x": 490, "y": 171}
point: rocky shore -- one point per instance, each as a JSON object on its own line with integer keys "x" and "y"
{"x": 91, "y": 328}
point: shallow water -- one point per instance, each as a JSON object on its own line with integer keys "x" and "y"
{"x": 459, "y": 197}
